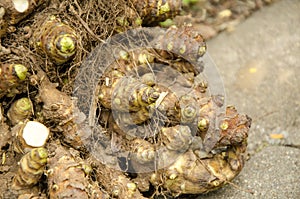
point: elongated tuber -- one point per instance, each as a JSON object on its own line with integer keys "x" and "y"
{"x": 192, "y": 175}
{"x": 31, "y": 168}
{"x": 184, "y": 42}
{"x": 127, "y": 94}
{"x": 67, "y": 177}
{"x": 60, "y": 109}
{"x": 115, "y": 182}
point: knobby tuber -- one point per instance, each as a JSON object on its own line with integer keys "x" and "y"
{"x": 56, "y": 40}
{"x": 31, "y": 168}
{"x": 20, "y": 110}
{"x": 60, "y": 109}
{"x": 152, "y": 12}
{"x": 12, "y": 77}
{"x": 29, "y": 135}
{"x": 115, "y": 181}
{"x": 68, "y": 177}
{"x": 182, "y": 140}
{"x": 161, "y": 129}
{"x": 197, "y": 172}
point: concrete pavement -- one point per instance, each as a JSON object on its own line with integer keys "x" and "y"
{"x": 260, "y": 65}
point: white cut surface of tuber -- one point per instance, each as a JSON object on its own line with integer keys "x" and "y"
{"x": 21, "y": 5}
{"x": 35, "y": 134}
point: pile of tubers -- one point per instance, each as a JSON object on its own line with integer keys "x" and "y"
{"x": 157, "y": 129}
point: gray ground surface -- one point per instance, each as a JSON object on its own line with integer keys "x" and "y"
{"x": 260, "y": 65}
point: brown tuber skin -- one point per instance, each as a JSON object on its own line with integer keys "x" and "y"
{"x": 177, "y": 138}
{"x": 192, "y": 153}
{"x": 67, "y": 177}
{"x": 32, "y": 196}
{"x": 137, "y": 117}
{"x": 56, "y": 40}
{"x": 132, "y": 95}
{"x": 19, "y": 144}
{"x": 218, "y": 167}
{"x": 203, "y": 174}
{"x": 12, "y": 78}
{"x": 59, "y": 108}
{"x": 184, "y": 43}
{"x": 31, "y": 168}
{"x": 115, "y": 182}
{"x": 234, "y": 128}
{"x": 127, "y": 94}
{"x": 20, "y": 110}
{"x": 15, "y": 10}
{"x": 152, "y": 12}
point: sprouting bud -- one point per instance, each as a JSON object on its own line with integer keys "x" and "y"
{"x": 138, "y": 21}
{"x": 122, "y": 21}
{"x": 86, "y": 168}
{"x": 224, "y": 125}
{"x": 131, "y": 186}
{"x": 124, "y": 55}
{"x": 20, "y": 110}
{"x": 173, "y": 176}
{"x": 29, "y": 135}
{"x": 144, "y": 58}
{"x": 133, "y": 61}
{"x": 31, "y": 168}
{"x": 203, "y": 124}
{"x": 21, "y": 71}
{"x": 11, "y": 78}
{"x": 115, "y": 192}
{"x": 57, "y": 40}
